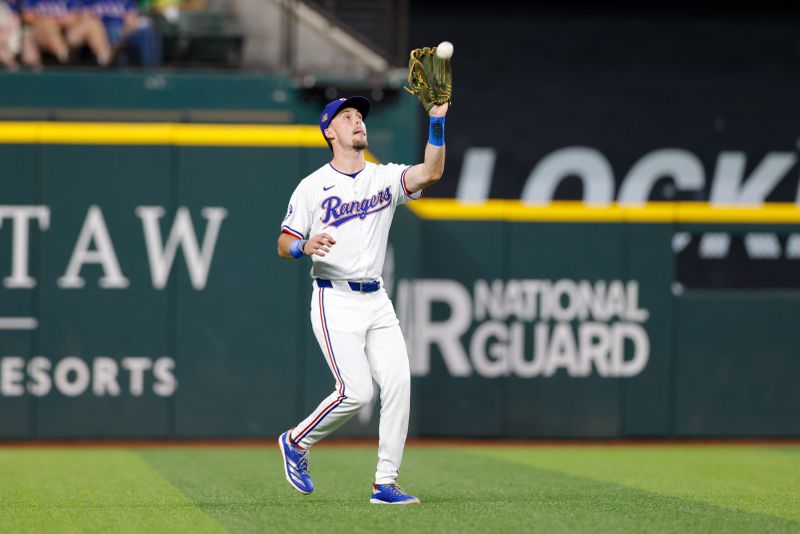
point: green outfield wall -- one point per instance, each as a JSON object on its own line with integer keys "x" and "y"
{"x": 141, "y": 296}
{"x": 157, "y": 307}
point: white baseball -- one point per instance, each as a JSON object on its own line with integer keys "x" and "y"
{"x": 444, "y": 50}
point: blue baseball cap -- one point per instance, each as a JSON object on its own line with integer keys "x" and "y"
{"x": 332, "y": 108}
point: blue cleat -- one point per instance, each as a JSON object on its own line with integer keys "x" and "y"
{"x": 295, "y": 465}
{"x": 391, "y": 494}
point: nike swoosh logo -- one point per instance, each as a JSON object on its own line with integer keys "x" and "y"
{"x": 329, "y": 187}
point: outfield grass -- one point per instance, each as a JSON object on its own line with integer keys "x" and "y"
{"x": 463, "y": 489}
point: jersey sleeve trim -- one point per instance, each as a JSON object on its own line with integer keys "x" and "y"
{"x": 292, "y": 231}
{"x": 413, "y": 196}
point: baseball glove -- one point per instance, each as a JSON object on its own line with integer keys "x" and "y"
{"x": 430, "y": 77}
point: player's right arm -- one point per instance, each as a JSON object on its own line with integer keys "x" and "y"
{"x": 319, "y": 244}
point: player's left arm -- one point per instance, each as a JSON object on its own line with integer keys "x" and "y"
{"x": 432, "y": 167}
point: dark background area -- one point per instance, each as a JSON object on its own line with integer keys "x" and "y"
{"x": 529, "y": 80}
{"x": 622, "y": 78}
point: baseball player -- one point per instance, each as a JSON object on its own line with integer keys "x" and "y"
{"x": 340, "y": 216}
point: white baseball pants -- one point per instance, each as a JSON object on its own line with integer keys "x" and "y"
{"x": 360, "y": 337}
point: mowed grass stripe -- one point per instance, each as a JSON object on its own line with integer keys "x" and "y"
{"x": 91, "y": 490}
{"x": 761, "y": 480}
{"x": 462, "y": 490}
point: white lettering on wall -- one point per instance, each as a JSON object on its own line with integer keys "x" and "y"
{"x": 94, "y": 231}
{"x": 94, "y": 245}
{"x": 588, "y": 164}
{"x": 161, "y": 256}
{"x": 20, "y": 243}
{"x": 73, "y": 376}
{"x": 526, "y": 328}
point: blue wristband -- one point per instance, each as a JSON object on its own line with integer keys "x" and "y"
{"x": 436, "y": 131}
{"x": 296, "y": 248}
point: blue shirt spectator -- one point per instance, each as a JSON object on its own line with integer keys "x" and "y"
{"x": 52, "y": 8}
{"x": 126, "y": 30}
{"x": 112, "y": 10}
{"x": 61, "y": 26}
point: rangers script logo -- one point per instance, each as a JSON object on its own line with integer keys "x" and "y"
{"x": 337, "y": 213}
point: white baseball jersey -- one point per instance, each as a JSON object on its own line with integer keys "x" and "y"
{"x": 358, "y": 332}
{"x": 356, "y": 211}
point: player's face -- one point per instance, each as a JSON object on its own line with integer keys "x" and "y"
{"x": 349, "y": 128}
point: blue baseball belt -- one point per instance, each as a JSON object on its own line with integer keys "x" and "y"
{"x": 361, "y": 287}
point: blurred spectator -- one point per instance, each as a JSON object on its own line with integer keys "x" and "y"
{"x": 63, "y": 25}
{"x": 127, "y": 31}
{"x": 10, "y": 37}
{"x": 20, "y": 38}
